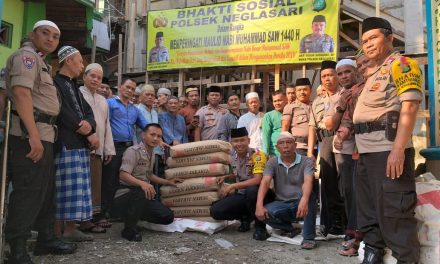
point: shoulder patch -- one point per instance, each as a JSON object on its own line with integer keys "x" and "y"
{"x": 406, "y": 75}
{"x": 28, "y": 62}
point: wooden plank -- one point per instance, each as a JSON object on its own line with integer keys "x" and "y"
{"x": 349, "y": 40}
{"x": 120, "y": 60}
{"x": 277, "y": 77}
{"x": 423, "y": 114}
{"x": 350, "y": 20}
{"x": 244, "y": 82}
{"x": 185, "y": 83}
{"x": 181, "y": 84}
{"x": 253, "y": 75}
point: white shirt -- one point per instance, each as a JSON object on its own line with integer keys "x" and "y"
{"x": 252, "y": 123}
{"x": 103, "y": 130}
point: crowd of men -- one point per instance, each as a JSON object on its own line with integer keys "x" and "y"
{"x": 80, "y": 157}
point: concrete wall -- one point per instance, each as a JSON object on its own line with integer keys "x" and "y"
{"x": 12, "y": 13}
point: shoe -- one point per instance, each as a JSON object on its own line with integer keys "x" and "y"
{"x": 373, "y": 255}
{"x": 19, "y": 253}
{"x": 245, "y": 226}
{"x": 335, "y": 231}
{"x": 261, "y": 234}
{"x": 55, "y": 246}
{"x": 131, "y": 234}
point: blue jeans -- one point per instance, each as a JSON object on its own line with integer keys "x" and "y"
{"x": 282, "y": 214}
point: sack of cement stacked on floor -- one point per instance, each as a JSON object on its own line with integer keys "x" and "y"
{"x": 214, "y": 169}
{"x": 203, "y": 198}
{"x": 216, "y": 157}
{"x": 189, "y": 211}
{"x": 194, "y": 185}
{"x": 200, "y": 147}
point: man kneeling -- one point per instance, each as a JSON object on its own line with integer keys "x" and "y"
{"x": 293, "y": 180}
{"x": 238, "y": 199}
{"x": 136, "y": 198}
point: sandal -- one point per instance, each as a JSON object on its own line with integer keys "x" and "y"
{"x": 346, "y": 244}
{"x": 93, "y": 229}
{"x": 104, "y": 223}
{"x": 78, "y": 236}
{"x": 308, "y": 244}
{"x": 350, "y": 252}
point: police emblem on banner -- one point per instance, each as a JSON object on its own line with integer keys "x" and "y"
{"x": 28, "y": 62}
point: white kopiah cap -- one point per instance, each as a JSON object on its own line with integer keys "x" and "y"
{"x": 46, "y": 23}
{"x": 346, "y": 62}
{"x": 251, "y": 95}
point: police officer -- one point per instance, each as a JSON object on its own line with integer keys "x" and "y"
{"x": 31, "y": 164}
{"x": 383, "y": 120}
{"x": 297, "y": 114}
{"x": 317, "y": 41}
{"x": 159, "y": 53}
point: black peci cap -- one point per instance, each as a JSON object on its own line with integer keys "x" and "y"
{"x": 375, "y": 22}
{"x": 327, "y": 64}
{"x": 302, "y": 82}
{"x": 159, "y": 34}
{"x": 319, "y": 18}
{"x": 215, "y": 89}
{"x": 239, "y": 132}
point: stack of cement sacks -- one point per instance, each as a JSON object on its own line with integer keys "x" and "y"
{"x": 199, "y": 164}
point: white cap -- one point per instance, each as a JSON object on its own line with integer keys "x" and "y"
{"x": 46, "y": 23}
{"x": 93, "y": 66}
{"x": 164, "y": 91}
{"x": 285, "y": 135}
{"x": 251, "y": 95}
{"x": 346, "y": 62}
{"x": 143, "y": 87}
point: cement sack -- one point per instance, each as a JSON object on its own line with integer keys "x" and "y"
{"x": 200, "y": 147}
{"x": 194, "y": 199}
{"x": 189, "y": 211}
{"x": 194, "y": 185}
{"x": 216, "y": 157}
{"x": 214, "y": 169}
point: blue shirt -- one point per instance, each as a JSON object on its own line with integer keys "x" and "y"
{"x": 123, "y": 118}
{"x": 173, "y": 128}
{"x": 150, "y": 116}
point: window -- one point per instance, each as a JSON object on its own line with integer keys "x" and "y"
{"x": 6, "y": 34}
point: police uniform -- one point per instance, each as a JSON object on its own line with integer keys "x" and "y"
{"x": 298, "y": 114}
{"x": 241, "y": 205}
{"x": 32, "y": 201}
{"x": 158, "y": 54}
{"x": 385, "y": 207}
{"x": 210, "y": 118}
{"x": 312, "y": 43}
{"x": 130, "y": 202}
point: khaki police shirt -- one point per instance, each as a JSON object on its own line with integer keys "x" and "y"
{"x": 320, "y": 106}
{"x": 158, "y": 54}
{"x": 138, "y": 162}
{"x": 26, "y": 68}
{"x": 395, "y": 81}
{"x": 210, "y": 118}
{"x": 298, "y": 114}
{"x": 311, "y": 44}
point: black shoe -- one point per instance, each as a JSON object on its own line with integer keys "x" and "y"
{"x": 261, "y": 234}
{"x": 373, "y": 255}
{"x": 336, "y": 231}
{"x": 19, "y": 253}
{"x": 55, "y": 246}
{"x": 131, "y": 234}
{"x": 245, "y": 226}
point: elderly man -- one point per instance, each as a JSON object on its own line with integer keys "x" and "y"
{"x": 252, "y": 120}
{"x": 173, "y": 124}
{"x": 162, "y": 95}
{"x": 209, "y": 116}
{"x": 189, "y": 111}
{"x": 238, "y": 199}
{"x": 272, "y": 124}
{"x": 384, "y": 119}
{"x": 230, "y": 120}
{"x": 146, "y": 101}
{"x": 103, "y": 154}
{"x": 318, "y": 41}
{"x": 293, "y": 176}
{"x": 136, "y": 198}
{"x": 35, "y": 107}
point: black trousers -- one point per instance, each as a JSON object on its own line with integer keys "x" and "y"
{"x": 32, "y": 201}
{"x": 110, "y": 180}
{"x": 332, "y": 204}
{"x": 133, "y": 206}
{"x": 385, "y": 207}
{"x": 346, "y": 171}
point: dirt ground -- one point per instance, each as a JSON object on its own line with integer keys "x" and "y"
{"x": 196, "y": 248}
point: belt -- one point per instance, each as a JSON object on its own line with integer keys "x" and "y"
{"x": 326, "y": 133}
{"x": 368, "y": 127}
{"x": 124, "y": 144}
{"x": 41, "y": 117}
{"x": 304, "y": 140}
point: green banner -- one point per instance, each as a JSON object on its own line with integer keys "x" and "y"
{"x": 243, "y": 33}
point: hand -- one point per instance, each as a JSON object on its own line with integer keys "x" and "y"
{"x": 37, "y": 149}
{"x": 163, "y": 145}
{"x": 303, "y": 208}
{"x": 107, "y": 159}
{"x": 261, "y": 213}
{"x": 226, "y": 190}
{"x": 343, "y": 100}
{"x": 176, "y": 142}
{"x": 220, "y": 179}
{"x": 94, "y": 141}
{"x": 395, "y": 163}
{"x": 148, "y": 190}
{"x": 194, "y": 123}
{"x": 175, "y": 181}
{"x": 338, "y": 143}
{"x": 84, "y": 128}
